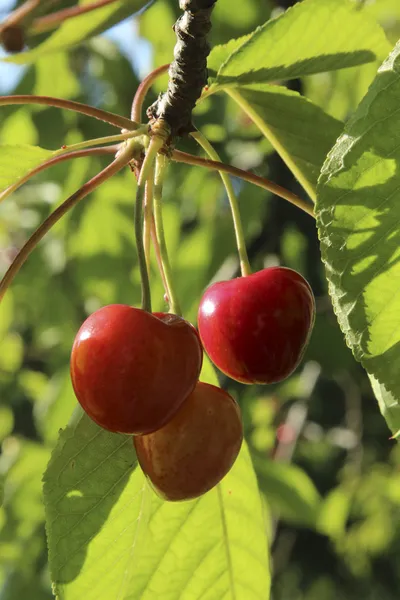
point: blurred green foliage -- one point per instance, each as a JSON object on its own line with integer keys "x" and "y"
{"x": 320, "y": 446}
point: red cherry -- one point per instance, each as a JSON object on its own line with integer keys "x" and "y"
{"x": 196, "y": 448}
{"x": 255, "y": 329}
{"x": 132, "y": 370}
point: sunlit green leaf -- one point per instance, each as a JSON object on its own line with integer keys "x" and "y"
{"x": 215, "y": 547}
{"x": 19, "y": 127}
{"x": 55, "y": 405}
{"x": 301, "y": 132}
{"x": 219, "y": 54}
{"x": 93, "y": 503}
{"x": 54, "y": 76}
{"x": 313, "y": 36}
{"x": 16, "y": 161}
{"x": 389, "y": 406}
{"x": 358, "y": 228}
{"x": 110, "y": 535}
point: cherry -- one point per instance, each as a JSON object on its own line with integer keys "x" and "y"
{"x": 13, "y": 39}
{"x": 196, "y": 448}
{"x": 255, "y": 328}
{"x": 132, "y": 370}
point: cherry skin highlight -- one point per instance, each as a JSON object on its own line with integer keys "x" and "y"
{"x": 196, "y": 448}
{"x": 255, "y": 328}
{"x": 132, "y": 370}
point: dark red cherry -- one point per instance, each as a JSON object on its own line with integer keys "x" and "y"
{"x": 12, "y": 38}
{"x": 255, "y": 329}
{"x": 196, "y": 448}
{"x": 132, "y": 370}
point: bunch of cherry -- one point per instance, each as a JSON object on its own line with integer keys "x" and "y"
{"x": 137, "y": 373}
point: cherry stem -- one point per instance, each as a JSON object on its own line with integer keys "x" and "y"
{"x": 271, "y": 137}
{"x": 53, "y": 161}
{"x": 69, "y": 152}
{"x": 43, "y": 24}
{"x": 142, "y": 91}
{"x": 157, "y": 251}
{"x": 108, "y": 139}
{"x": 262, "y": 182}
{"x": 156, "y": 143}
{"x": 237, "y": 221}
{"x": 147, "y": 216}
{"x": 90, "y": 111}
{"x": 118, "y": 163}
{"x": 161, "y": 167}
{"x": 17, "y": 17}
{"x": 255, "y": 179}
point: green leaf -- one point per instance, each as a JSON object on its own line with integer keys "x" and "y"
{"x": 93, "y": 501}
{"x": 357, "y": 216}
{"x": 112, "y": 204}
{"x": 7, "y": 314}
{"x": 388, "y": 405}
{"x": 77, "y": 29}
{"x": 110, "y": 536}
{"x": 54, "y": 76}
{"x": 16, "y": 161}
{"x": 23, "y": 462}
{"x": 290, "y": 492}
{"x": 6, "y": 422}
{"x": 219, "y": 54}
{"x": 19, "y": 126}
{"x": 22, "y": 544}
{"x": 12, "y": 349}
{"x": 208, "y": 373}
{"x": 301, "y": 132}
{"x": 334, "y": 513}
{"x": 313, "y": 36}
{"x": 211, "y": 548}
{"x": 53, "y": 408}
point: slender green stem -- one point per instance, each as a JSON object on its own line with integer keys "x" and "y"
{"x": 161, "y": 166}
{"x": 74, "y": 151}
{"x": 108, "y": 139}
{"x": 141, "y": 92}
{"x": 269, "y": 134}
{"x": 250, "y": 177}
{"x": 155, "y": 145}
{"x": 157, "y": 252}
{"x": 90, "y": 111}
{"x": 147, "y": 216}
{"x": 261, "y": 182}
{"x": 53, "y": 161}
{"x": 118, "y": 163}
{"x": 237, "y": 222}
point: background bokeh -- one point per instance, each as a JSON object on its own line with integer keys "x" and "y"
{"x": 326, "y": 467}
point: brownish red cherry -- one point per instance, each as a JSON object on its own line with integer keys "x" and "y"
{"x": 12, "y": 38}
{"x": 196, "y": 448}
{"x": 132, "y": 370}
{"x": 255, "y": 329}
